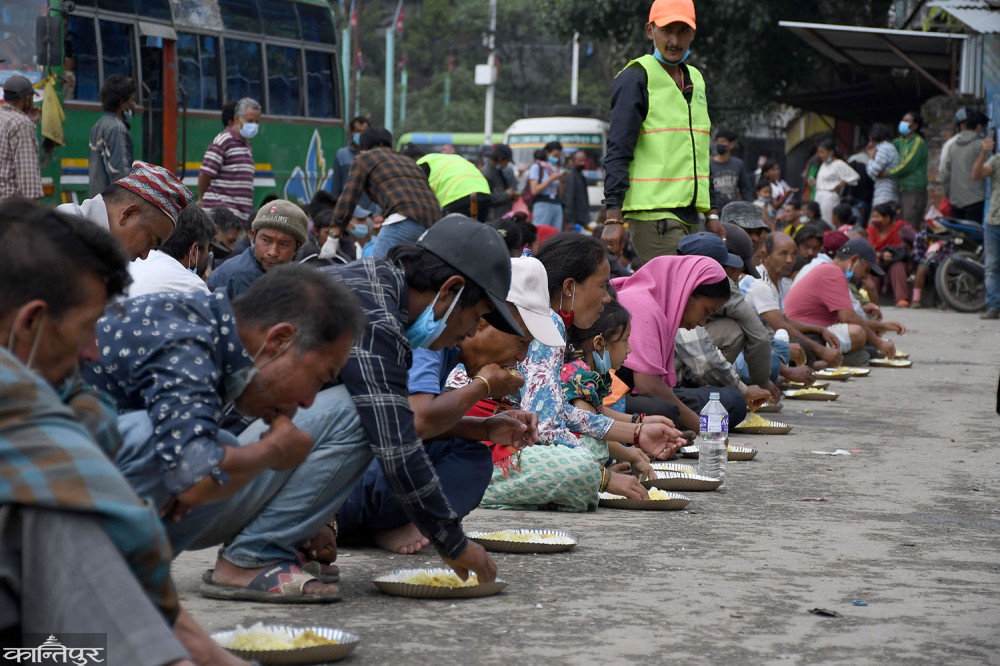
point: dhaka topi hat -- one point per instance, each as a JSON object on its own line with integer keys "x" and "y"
{"x": 159, "y": 187}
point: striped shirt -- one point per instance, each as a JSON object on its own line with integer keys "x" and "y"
{"x": 20, "y": 174}
{"x": 229, "y": 161}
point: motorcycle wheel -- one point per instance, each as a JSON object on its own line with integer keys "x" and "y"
{"x": 960, "y": 290}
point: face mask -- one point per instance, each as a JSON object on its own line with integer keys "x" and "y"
{"x": 34, "y": 345}
{"x": 904, "y": 127}
{"x": 235, "y": 384}
{"x": 197, "y": 253}
{"x": 803, "y": 218}
{"x": 849, "y": 273}
{"x": 249, "y": 130}
{"x": 360, "y": 231}
{"x": 764, "y": 199}
{"x": 602, "y": 363}
{"x": 721, "y": 148}
{"x": 829, "y": 159}
{"x": 659, "y": 56}
{"x": 127, "y": 114}
{"x": 553, "y": 160}
{"x": 424, "y": 331}
{"x": 357, "y": 138}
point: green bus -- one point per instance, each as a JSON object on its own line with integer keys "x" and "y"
{"x": 466, "y": 144}
{"x": 189, "y": 58}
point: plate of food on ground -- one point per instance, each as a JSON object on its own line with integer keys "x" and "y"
{"x": 525, "y": 540}
{"x": 758, "y": 425}
{"x": 285, "y": 644}
{"x": 891, "y": 363}
{"x": 856, "y": 371}
{"x": 901, "y": 354}
{"x": 663, "y": 466}
{"x": 810, "y": 393}
{"x": 438, "y": 583}
{"x": 682, "y": 481}
{"x": 840, "y": 374}
{"x": 770, "y": 408}
{"x": 659, "y": 500}
{"x": 798, "y": 385}
{"x": 735, "y": 452}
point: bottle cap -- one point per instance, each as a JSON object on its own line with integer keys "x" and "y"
{"x": 714, "y": 395}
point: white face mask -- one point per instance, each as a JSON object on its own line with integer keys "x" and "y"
{"x": 235, "y": 384}
{"x": 34, "y": 345}
{"x": 249, "y": 130}
{"x": 127, "y": 114}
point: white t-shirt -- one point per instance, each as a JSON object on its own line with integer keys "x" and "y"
{"x": 161, "y": 272}
{"x": 764, "y": 295}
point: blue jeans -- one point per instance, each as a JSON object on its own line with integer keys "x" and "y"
{"x": 547, "y": 212}
{"x": 404, "y": 231}
{"x": 780, "y": 353}
{"x": 266, "y": 521}
{"x": 464, "y": 467}
{"x": 991, "y": 252}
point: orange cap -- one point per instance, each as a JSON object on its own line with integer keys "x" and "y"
{"x": 664, "y": 12}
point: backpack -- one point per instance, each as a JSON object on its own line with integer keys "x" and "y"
{"x": 526, "y": 195}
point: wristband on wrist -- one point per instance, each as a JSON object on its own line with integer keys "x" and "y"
{"x": 489, "y": 391}
{"x": 635, "y": 435}
{"x": 614, "y": 220}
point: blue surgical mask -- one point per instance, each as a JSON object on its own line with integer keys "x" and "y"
{"x": 659, "y": 56}
{"x": 194, "y": 269}
{"x": 602, "y": 363}
{"x": 357, "y": 138}
{"x": 425, "y": 330}
{"x": 249, "y": 130}
{"x": 553, "y": 160}
{"x": 360, "y": 231}
{"x": 849, "y": 273}
{"x": 127, "y": 114}
{"x": 235, "y": 384}
{"x": 904, "y": 127}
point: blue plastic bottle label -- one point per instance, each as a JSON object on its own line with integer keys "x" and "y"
{"x": 713, "y": 423}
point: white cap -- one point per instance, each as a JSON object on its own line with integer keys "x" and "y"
{"x": 529, "y": 293}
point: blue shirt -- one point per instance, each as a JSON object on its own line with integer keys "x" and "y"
{"x": 236, "y": 274}
{"x": 536, "y": 172}
{"x": 170, "y": 354}
{"x": 430, "y": 369}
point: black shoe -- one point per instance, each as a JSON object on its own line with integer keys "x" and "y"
{"x": 992, "y": 313}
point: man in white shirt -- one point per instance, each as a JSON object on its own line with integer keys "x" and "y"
{"x": 180, "y": 263}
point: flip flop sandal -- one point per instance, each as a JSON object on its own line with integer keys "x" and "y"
{"x": 315, "y": 569}
{"x": 281, "y": 584}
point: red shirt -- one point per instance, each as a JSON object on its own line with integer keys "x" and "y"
{"x": 817, "y": 297}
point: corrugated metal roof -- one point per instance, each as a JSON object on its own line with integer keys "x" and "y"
{"x": 978, "y": 16}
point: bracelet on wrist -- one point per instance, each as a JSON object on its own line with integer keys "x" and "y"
{"x": 635, "y": 435}
{"x": 614, "y": 220}
{"x": 489, "y": 391}
{"x": 332, "y": 524}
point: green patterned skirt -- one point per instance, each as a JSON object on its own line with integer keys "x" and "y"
{"x": 558, "y": 476}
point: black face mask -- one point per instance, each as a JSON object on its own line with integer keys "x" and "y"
{"x": 721, "y": 148}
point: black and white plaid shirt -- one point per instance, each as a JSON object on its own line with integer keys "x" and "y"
{"x": 376, "y": 375}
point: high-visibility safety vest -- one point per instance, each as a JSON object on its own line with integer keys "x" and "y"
{"x": 453, "y": 177}
{"x": 669, "y": 168}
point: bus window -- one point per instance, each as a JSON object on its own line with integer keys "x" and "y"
{"x": 116, "y": 48}
{"x": 243, "y": 70}
{"x": 284, "y": 81}
{"x": 17, "y": 38}
{"x": 322, "y": 100}
{"x": 123, "y": 6}
{"x": 280, "y": 18}
{"x": 156, "y": 9}
{"x": 189, "y": 68}
{"x": 81, "y": 60}
{"x": 317, "y": 26}
{"x": 211, "y": 91}
{"x": 240, "y": 15}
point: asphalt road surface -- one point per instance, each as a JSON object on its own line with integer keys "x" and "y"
{"x": 911, "y": 527}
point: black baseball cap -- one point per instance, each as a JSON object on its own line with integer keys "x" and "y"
{"x": 479, "y": 253}
{"x": 744, "y": 214}
{"x": 711, "y": 245}
{"x": 738, "y": 242}
{"x": 17, "y": 87}
{"x": 863, "y": 249}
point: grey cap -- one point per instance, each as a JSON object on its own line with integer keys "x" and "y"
{"x": 17, "y": 87}
{"x": 739, "y": 243}
{"x": 861, "y": 248}
{"x": 744, "y": 214}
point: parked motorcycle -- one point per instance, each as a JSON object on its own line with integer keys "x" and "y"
{"x": 960, "y": 280}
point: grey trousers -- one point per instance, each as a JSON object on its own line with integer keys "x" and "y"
{"x": 60, "y": 573}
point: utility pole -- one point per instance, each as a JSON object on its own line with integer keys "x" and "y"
{"x": 390, "y": 67}
{"x": 574, "y": 87}
{"x": 491, "y": 64}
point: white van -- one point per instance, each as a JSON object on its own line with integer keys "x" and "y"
{"x": 527, "y": 135}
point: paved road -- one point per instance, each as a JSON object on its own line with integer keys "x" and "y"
{"x": 912, "y": 527}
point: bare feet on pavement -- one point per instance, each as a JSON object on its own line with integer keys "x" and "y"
{"x": 404, "y": 540}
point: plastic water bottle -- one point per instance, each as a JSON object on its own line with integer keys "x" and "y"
{"x": 713, "y": 430}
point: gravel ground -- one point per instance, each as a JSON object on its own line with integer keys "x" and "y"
{"x": 911, "y": 526}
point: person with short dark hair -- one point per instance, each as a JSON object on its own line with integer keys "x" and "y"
{"x": 176, "y": 363}
{"x": 912, "y": 170}
{"x": 140, "y": 210}
{"x": 576, "y": 202}
{"x": 393, "y": 182}
{"x": 110, "y": 137}
{"x": 728, "y": 173}
{"x": 278, "y": 231}
{"x": 545, "y": 181}
{"x": 228, "y": 113}
{"x": 966, "y": 195}
{"x": 808, "y": 241}
{"x": 499, "y": 174}
{"x": 20, "y": 171}
{"x": 511, "y": 233}
{"x": 61, "y": 490}
{"x": 229, "y": 229}
{"x": 883, "y": 158}
{"x": 180, "y": 263}
{"x": 529, "y": 233}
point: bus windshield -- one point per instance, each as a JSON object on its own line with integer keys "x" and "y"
{"x": 17, "y": 38}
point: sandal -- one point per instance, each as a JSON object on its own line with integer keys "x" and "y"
{"x": 315, "y": 569}
{"x": 280, "y": 584}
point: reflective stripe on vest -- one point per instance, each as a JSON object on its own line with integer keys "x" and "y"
{"x": 669, "y": 167}
{"x": 453, "y": 177}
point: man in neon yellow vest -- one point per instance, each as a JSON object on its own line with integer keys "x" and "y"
{"x": 458, "y": 185}
{"x": 657, "y": 164}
